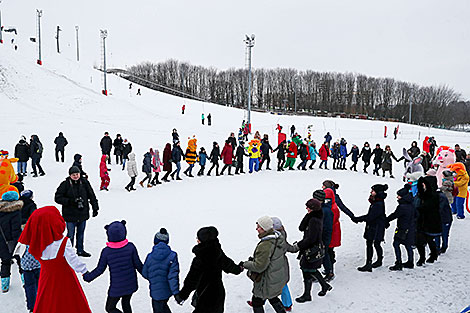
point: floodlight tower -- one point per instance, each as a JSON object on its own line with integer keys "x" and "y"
{"x": 250, "y": 43}
{"x": 104, "y": 34}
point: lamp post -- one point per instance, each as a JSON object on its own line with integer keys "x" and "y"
{"x": 57, "y": 37}
{"x": 1, "y": 28}
{"x": 39, "y": 15}
{"x": 104, "y": 34}
{"x": 76, "y": 35}
{"x": 250, "y": 43}
{"x": 410, "y": 104}
{"x": 295, "y": 93}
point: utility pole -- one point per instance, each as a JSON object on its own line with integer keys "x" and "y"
{"x": 295, "y": 94}
{"x": 104, "y": 34}
{"x": 250, "y": 43}
{"x": 57, "y": 37}
{"x": 76, "y": 35}
{"x": 410, "y": 103}
{"x": 39, "y": 15}
{"x": 1, "y": 27}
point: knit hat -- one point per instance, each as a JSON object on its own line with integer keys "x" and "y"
{"x": 116, "y": 231}
{"x": 27, "y": 194}
{"x": 380, "y": 188}
{"x": 431, "y": 172}
{"x": 319, "y": 195}
{"x": 10, "y": 196}
{"x": 207, "y": 234}
{"x": 404, "y": 191}
{"x": 330, "y": 184}
{"x": 74, "y": 170}
{"x": 313, "y": 204}
{"x": 265, "y": 222}
{"x": 161, "y": 236}
{"x": 277, "y": 224}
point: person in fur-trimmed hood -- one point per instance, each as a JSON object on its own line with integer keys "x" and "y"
{"x": 123, "y": 260}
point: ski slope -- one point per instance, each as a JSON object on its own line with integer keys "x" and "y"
{"x": 65, "y": 96}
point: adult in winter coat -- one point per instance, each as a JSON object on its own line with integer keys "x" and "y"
{"x": 205, "y": 273}
{"x": 291, "y": 156}
{"x": 336, "y": 154}
{"x": 122, "y": 258}
{"x": 448, "y": 185}
{"x": 126, "y": 149}
{"x": 117, "y": 143}
{"x": 324, "y": 154}
{"x": 233, "y": 141}
{"x": 429, "y": 224}
{"x": 10, "y": 231}
{"x": 375, "y": 226}
{"x": 303, "y": 153}
{"x": 22, "y": 153}
{"x": 241, "y": 152}
{"x": 106, "y": 145}
{"x": 227, "y": 157}
{"x": 58, "y": 289}
{"x": 265, "y": 150}
{"x": 460, "y": 154}
{"x": 161, "y": 269}
{"x": 209, "y": 119}
{"x": 312, "y": 227}
{"x": 75, "y": 195}
{"x": 366, "y": 154}
{"x": 405, "y": 232}
{"x": 60, "y": 143}
{"x": 446, "y": 221}
{"x": 147, "y": 169}
{"x": 313, "y": 154}
{"x": 36, "y": 155}
{"x": 77, "y": 161}
{"x": 335, "y": 240}
{"x": 387, "y": 157}
{"x": 343, "y": 153}
{"x": 292, "y": 131}
{"x": 281, "y": 155}
{"x": 176, "y": 155}
{"x": 414, "y": 150}
{"x": 354, "y": 157}
{"x": 334, "y": 186}
{"x": 377, "y": 153}
{"x": 29, "y": 206}
{"x": 131, "y": 171}
{"x": 269, "y": 260}
{"x": 214, "y": 157}
{"x": 156, "y": 166}
{"x": 104, "y": 173}
{"x": 167, "y": 166}
{"x": 328, "y": 138}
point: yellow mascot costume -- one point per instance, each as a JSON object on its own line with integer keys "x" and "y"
{"x": 191, "y": 156}
{"x": 7, "y": 173}
{"x": 461, "y": 182}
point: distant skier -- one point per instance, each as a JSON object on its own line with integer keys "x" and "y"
{"x": 130, "y": 86}
{"x": 292, "y": 131}
{"x": 183, "y": 108}
{"x": 395, "y": 133}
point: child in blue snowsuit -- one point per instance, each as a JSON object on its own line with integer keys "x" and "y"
{"x": 161, "y": 269}
{"x": 123, "y": 260}
{"x": 202, "y": 161}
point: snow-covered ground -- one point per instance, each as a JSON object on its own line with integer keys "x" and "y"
{"x": 65, "y": 96}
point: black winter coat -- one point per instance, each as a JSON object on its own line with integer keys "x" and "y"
{"x": 147, "y": 166}
{"x": 118, "y": 146}
{"x": 460, "y": 155}
{"x": 444, "y": 208}
{"x": 215, "y": 155}
{"x": 76, "y": 162}
{"x": 366, "y": 154}
{"x": 265, "y": 147}
{"x": 126, "y": 149}
{"x": 405, "y": 214}
{"x": 413, "y": 152}
{"x": 378, "y": 155}
{"x": 22, "y": 151}
{"x": 233, "y": 142}
{"x": 312, "y": 227}
{"x": 176, "y": 154}
{"x": 375, "y": 219}
{"x": 303, "y": 152}
{"x": 29, "y": 206}
{"x": 36, "y": 148}
{"x": 429, "y": 219}
{"x": 205, "y": 276}
{"x": 10, "y": 222}
{"x": 67, "y": 194}
{"x": 60, "y": 143}
{"x": 281, "y": 151}
{"x": 240, "y": 153}
{"x": 106, "y": 144}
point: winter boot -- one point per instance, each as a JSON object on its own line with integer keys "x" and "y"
{"x": 365, "y": 268}
{"x": 431, "y": 259}
{"x": 278, "y": 307}
{"x": 377, "y": 263}
{"x": 324, "y": 290}
{"x": 408, "y": 265}
{"x": 258, "y": 309}
{"x": 5, "y": 284}
{"x": 397, "y": 267}
{"x": 329, "y": 277}
{"x": 141, "y": 184}
{"x": 420, "y": 262}
{"x": 307, "y": 292}
{"x": 149, "y": 185}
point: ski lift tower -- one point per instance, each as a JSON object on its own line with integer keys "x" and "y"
{"x": 103, "y": 35}
{"x": 250, "y": 43}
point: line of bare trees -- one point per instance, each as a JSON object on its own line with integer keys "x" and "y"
{"x": 280, "y": 89}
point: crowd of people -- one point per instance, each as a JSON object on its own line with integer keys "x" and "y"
{"x": 424, "y": 215}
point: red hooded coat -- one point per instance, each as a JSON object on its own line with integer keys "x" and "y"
{"x": 324, "y": 152}
{"x": 336, "y": 234}
{"x": 227, "y": 153}
{"x": 292, "y": 153}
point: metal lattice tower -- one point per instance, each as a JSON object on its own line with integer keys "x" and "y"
{"x": 250, "y": 43}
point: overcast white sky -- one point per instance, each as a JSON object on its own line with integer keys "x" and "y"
{"x": 422, "y": 41}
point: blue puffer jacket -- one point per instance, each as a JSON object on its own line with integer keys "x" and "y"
{"x": 161, "y": 269}
{"x": 313, "y": 153}
{"x": 202, "y": 158}
{"x": 343, "y": 151}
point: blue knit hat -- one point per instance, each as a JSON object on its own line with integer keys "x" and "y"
{"x": 10, "y": 196}
{"x": 161, "y": 236}
{"x": 27, "y": 194}
{"x": 116, "y": 231}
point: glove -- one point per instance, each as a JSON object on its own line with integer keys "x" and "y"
{"x": 250, "y": 258}
{"x": 355, "y": 219}
{"x": 85, "y": 277}
{"x": 296, "y": 247}
{"x": 241, "y": 264}
{"x": 178, "y": 299}
{"x": 95, "y": 213}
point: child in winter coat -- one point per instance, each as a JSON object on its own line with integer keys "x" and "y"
{"x": 147, "y": 169}
{"x": 202, "y": 161}
{"x": 405, "y": 231}
{"x": 31, "y": 270}
{"x": 123, "y": 260}
{"x": 355, "y": 157}
{"x": 29, "y": 206}
{"x": 132, "y": 171}
{"x": 161, "y": 269}
{"x": 313, "y": 154}
{"x": 448, "y": 185}
{"x": 104, "y": 173}
{"x": 156, "y": 162}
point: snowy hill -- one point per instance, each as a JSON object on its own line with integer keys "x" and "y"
{"x": 65, "y": 96}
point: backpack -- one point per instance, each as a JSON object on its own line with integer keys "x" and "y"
{"x": 40, "y": 148}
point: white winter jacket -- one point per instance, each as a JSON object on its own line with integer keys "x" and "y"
{"x": 132, "y": 165}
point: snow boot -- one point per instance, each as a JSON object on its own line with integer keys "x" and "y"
{"x": 141, "y": 184}
{"x": 408, "y": 265}
{"x": 431, "y": 259}
{"x": 329, "y": 277}
{"x": 397, "y": 267}
{"x": 365, "y": 268}
{"x": 324, "y": 290}
{"x": 307, "y": 292}
{"x": 258, "y": 309}
{"x": 377, "y": 263}
{"x": 5, "y": 284}
{"x": 149, "y": 185}
{"x": 278, "y": 307}
{"x": 420, "y": 262}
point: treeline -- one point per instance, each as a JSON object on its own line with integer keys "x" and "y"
{"x": 279, "y": 89}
